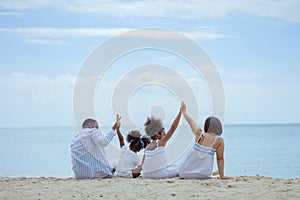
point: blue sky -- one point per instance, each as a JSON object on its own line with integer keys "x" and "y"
{"x": 255, "y": 46}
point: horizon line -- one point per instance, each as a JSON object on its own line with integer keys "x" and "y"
{"x": 106, "y": 126}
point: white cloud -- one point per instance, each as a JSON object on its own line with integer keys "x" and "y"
{"x": 50, "y": 32}
{"x": 200, "y": 33}
{"x": 287, "y": 10}
{"x": 10, "y": 13}
{"x": 45, "y": 35}
{"x": 36, "y": 100}
{"x": 23, "y": 5}
{"x": 40, "y": 100}
{"x": 43, "y": 42}
{"x": 144, "y": 88}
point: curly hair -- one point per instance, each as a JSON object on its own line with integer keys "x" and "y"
{"x": 132, "y": 135}
{"x": 153, "y": 126}
{"x": 136, "y": 141}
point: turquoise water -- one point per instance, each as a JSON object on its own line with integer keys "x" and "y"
{"x": 268, "y": 150}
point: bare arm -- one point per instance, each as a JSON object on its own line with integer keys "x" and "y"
{"x": 121, "y": 139}
{"x": 117, "y": 128}
{"x": 143, "y": 159}
{"x": 172, "y": 129}
{"x": 194, "y": 127}
{"x": 117, "y": 123}
{"x": 220, "y": 159}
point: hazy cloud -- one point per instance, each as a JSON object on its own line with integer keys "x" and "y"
{"x": 287, "y": 10}
{"x": 43, "y": 42}
{"x": 10, "y": 13}
{"x": 30, "y": 100}
{"x": 42, "y": 34}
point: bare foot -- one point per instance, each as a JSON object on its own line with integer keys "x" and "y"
{"x": 215, "y": 173}
{"x": 225, "y": 178}
{"x": 114, "y": 169}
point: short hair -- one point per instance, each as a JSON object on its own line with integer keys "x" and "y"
{"x": 213, "y": 125}
{"x": 89, "y": 122}
{"x": 153, "y": 126}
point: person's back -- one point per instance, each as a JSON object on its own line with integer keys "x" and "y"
{"x": 87, "y": 151}
{"x": 88, "y": 159}
{"x": 155, "y": 161}
{"x": 129, "y": 162}
{"x": 198, "y": 162}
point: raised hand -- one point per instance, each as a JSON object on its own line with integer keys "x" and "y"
{"x": 183, "y": 107}
{"x": 117, "y": 123}
{"x": 194, "y": 127}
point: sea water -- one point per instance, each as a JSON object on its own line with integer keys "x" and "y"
{"x": 267, "y": 150}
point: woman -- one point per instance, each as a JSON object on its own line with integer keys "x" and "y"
{"x": 198, "y": 162}
{"x": 155, "y": 161}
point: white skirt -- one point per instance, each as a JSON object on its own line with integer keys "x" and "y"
{"x": 197, "y": 163}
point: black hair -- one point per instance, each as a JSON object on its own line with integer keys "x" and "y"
{"x": 89, "y": 123}
{"x": 213, "y": 125}
{"x": 136, "y": 141}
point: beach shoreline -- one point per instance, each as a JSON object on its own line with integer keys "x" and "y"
{"x": 240, "y": 187}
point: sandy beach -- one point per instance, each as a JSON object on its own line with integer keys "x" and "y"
{"x": 242, "y": 187}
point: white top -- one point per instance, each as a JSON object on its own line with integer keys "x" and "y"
{"x": 198, "y": 162}
{"x": 88, "y": 155}
{"x": 155, "y": 165}
{"x": 127, "y": 162}
{"x": 155, "y": 160}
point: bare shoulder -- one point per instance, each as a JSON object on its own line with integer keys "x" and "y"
{"x": 219, "y": 143}
{"x": 161, "y": 143}
{"x": 198, "y": 133}
{"x": 220, "y": 139}
{"x": 151, "y": 147}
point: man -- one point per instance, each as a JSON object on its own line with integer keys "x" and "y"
{"x": 87, "y": 151}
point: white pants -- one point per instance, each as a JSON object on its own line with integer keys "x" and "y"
{"x": 168, "y": 172}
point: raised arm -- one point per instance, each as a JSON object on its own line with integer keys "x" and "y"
{"x": 172, "y": 129}
{"x": 117, "y": 123}
{"x": 194, "y": 127}
{"x": 121, "y": 139}
{"x": 104, "y": 140}
{"x": 116, "y": 127}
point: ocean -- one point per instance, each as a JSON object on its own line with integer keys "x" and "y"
{"x": 268, "y": 150}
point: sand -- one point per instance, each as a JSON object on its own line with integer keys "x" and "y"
{"x": 242, "y": 187}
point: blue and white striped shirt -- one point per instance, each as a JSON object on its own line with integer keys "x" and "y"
{"x": 88, "y": 156}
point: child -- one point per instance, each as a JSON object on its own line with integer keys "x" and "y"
{"x": 129, "y": 162}
{"x": 198, "y": 162}
{"x": 155, "y": 161}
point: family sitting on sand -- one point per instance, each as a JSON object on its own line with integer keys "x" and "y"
{"x": 89, "y": 159}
